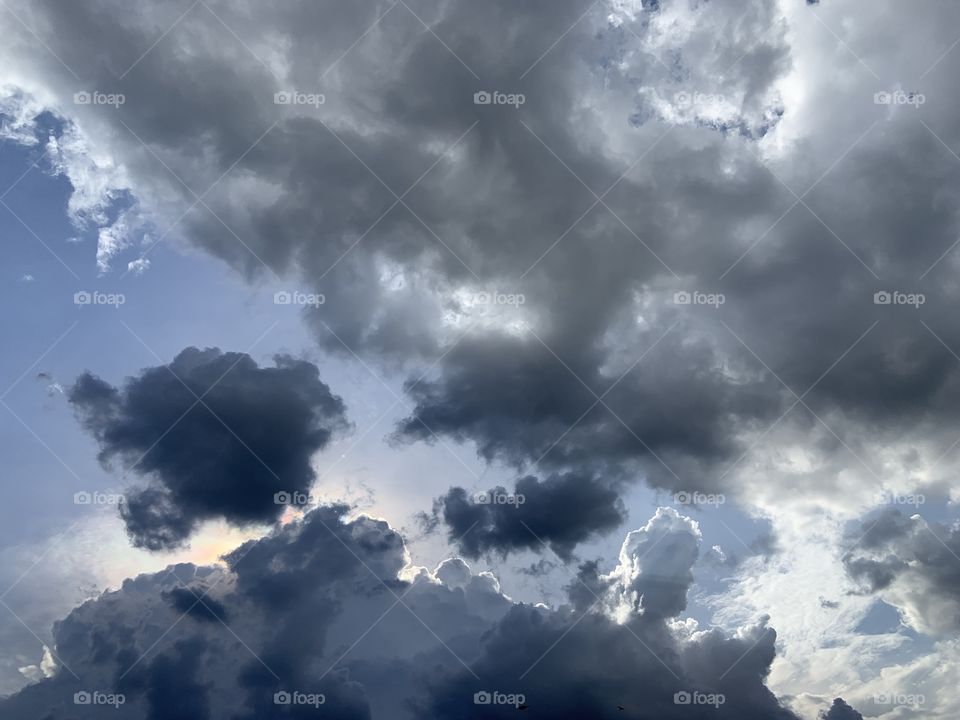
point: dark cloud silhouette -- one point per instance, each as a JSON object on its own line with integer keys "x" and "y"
{"x": 560, "y": 511}
{"x": 840, "y": 710}
{"x": 216, "y": 435}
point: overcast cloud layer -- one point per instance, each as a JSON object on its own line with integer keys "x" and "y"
{"x": 705, "y": 248}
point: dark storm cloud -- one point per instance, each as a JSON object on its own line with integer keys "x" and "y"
{"x": 599, "y": 665}
{"x": 840, "y": 710}
{"x": 560, "y": 511}
{"x": 169, "y": 685}
{"x": 216, "y": 435}
{"x": 522, "y": 401}
{"x": 915, "y": 560}
{"x": 312, "y": 609}
{"x": 192, "y": 602}
{"x": 511, "y": 207}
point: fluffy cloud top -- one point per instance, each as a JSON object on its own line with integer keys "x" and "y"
{"x": 328, "y": 606}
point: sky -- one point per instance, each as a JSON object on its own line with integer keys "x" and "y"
{"x": 434, "y": 358}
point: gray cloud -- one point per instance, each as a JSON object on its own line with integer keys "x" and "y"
{"x": 216, "y": 435}
{"x": 312, "y": 607}
{"x": 560, "y": 511}
{"x": 317, "y": 198}
{"x": 840, "y": 710}
{"x": 912, "y": 562}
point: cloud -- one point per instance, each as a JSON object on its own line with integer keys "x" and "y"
{"x": 912, "y": 564}
{"x": 559, "y": 511}
{"x": 601, "y": 371}
{"x": 329, "y": 606}
{"x": 215, "y": 435}
{"x": 841, "y": 711}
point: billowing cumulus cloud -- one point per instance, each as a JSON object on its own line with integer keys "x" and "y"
{"x": 215, "y": 435}
{"x": 709, "y": 246}
{"x": 327, "y": 607}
